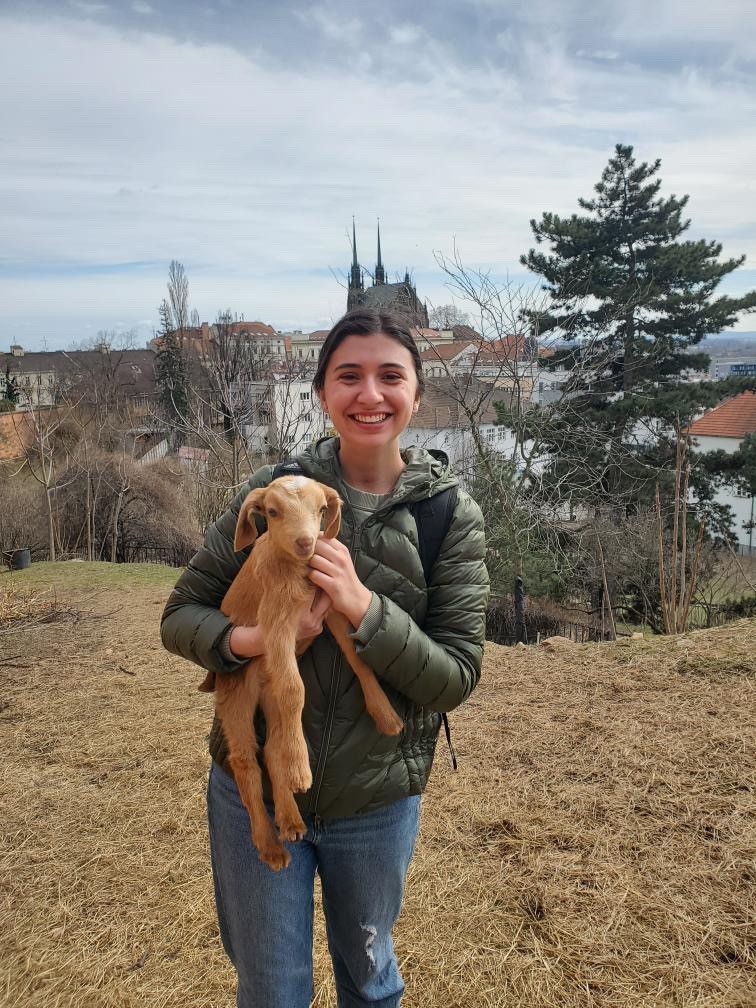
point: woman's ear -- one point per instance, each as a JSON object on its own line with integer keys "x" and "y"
{"x": 246, "y": 529}
{"x": 333, "y": 513}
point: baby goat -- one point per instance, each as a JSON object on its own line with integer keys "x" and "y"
{"x": 273, "y": 590}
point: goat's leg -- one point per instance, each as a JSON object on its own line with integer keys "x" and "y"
{"x": 236, "y": 701}
{"x": 288, "y": 819}
{"x": 377, "y": 703}
{"x": 284, "y": 694}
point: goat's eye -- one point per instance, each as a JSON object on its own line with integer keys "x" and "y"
{"x": 272, "y": 513}
{"x": 324, "y": 509}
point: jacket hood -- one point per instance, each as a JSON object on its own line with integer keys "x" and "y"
{"x": 427, "y": 472}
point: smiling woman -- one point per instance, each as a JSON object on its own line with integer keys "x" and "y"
{"x": 370, "y": 380}
{"x": 420, "y": 631}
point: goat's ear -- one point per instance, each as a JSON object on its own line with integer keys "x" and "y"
{"x": 332, "y": 514}
{"x": 246, "y": 530}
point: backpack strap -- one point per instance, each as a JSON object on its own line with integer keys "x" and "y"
{"x": 289, "y": 467}
{"x": 433, "y": 517}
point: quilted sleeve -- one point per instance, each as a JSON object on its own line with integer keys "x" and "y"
{"x": 439, "y": 666}
{"x": 192, "y": 624}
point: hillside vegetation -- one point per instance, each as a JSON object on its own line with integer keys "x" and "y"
{"x": 595, "y": 848}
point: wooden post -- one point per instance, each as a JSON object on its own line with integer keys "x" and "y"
{"x": 519, "y": 602}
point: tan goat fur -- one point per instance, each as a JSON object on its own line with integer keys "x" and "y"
{"x": 273, "y": 590}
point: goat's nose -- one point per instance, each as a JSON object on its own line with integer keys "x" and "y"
{"x": 304, "y": 543}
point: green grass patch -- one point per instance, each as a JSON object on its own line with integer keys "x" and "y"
{"x": 71, "y": 575}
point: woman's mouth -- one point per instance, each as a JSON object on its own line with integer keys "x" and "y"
{"x": 370, "y": 418}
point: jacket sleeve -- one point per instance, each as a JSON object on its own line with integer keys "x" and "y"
{"x": 192, "y": 624}
{"x": 439, "y": 666}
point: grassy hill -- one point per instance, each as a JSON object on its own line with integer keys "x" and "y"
{"x": 595, "y": 848}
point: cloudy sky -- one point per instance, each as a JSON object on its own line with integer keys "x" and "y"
{"x": 240, "y": 137}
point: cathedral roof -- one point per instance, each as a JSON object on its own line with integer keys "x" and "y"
{"x": 385, "y": 295}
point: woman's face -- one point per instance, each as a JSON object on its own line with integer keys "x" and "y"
{"x": 370, "y": 390}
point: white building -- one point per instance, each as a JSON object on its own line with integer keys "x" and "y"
{"x": 304, "y": 347}
{"x": 724, "y": 367}
{"x": 723, "y": 429}
{"x": 284, "y": 415}
{"x": 442, "y": 424}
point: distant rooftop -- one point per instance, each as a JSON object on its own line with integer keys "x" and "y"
{"x": 734, "y": 418}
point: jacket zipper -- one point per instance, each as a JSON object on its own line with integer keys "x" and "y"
{"x": 334, "y": 692}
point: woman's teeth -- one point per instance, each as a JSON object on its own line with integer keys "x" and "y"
{"x": 377, "y": 418}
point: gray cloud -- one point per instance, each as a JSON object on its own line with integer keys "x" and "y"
{"x": 242, "y": 142}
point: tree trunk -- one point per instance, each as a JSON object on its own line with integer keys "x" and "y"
{"x": 50, "y": 524}
{"x": 114, "y": 530}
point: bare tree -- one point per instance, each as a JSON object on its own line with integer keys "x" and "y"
{"x": 46, "y": 443}
{"x": 447, "y": 316}
{"x": 677, "y": 582}
{"x": 178, "y": 295}
{"x": 541, "y": 474}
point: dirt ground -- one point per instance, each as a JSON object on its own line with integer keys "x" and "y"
{"x": 596, "y": 847}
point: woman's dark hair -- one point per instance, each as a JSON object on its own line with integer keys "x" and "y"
{"x": 365, "y": 322}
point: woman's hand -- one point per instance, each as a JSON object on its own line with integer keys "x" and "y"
{"x": 333, "y": 571}
{"x": 311, "y": 622}
{"x": 247, "y": 641}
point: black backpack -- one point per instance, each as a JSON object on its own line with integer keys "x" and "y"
{"x": 432, "y": 518}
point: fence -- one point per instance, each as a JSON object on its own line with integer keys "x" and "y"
{"x": 170, "y": 556}
{"x": 509, "y": 620}
{"x": 167, "y": 555}
{"x": 726, "y": 612}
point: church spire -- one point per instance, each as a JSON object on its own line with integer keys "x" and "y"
{"x": 380, "y": 273}
{"x": 355, "y": 279}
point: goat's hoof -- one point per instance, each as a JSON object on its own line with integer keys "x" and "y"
{"x": 292, "y": 829}
{"x": 274, "y": 855}
{"x": 388, "y": 722}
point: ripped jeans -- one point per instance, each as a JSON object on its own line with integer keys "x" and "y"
{"x": 266, "y": 917}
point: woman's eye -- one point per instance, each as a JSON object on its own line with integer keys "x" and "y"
{"x": 272, "y": 513}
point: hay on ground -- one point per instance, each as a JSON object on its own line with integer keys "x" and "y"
{"x": 595, "y": 848}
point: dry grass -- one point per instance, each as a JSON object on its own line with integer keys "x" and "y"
{"x": 596, "y": 847}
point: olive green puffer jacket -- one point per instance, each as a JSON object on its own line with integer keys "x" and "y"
{"x": 423, "y": 671}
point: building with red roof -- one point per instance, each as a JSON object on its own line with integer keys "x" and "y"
{"x": 723, "y": 429}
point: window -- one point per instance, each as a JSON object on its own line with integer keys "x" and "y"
{"x": 490, "y": 434}
{"x": 304, "y": 395}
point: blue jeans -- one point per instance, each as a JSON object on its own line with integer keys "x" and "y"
{"x": 266, "y": 917}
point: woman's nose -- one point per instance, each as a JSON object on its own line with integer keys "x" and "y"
{"x": 369, "y": 392}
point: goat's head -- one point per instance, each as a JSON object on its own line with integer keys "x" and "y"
{"x": 294, "y": 507}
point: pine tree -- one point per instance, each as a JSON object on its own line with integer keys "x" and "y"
{"x": 171, "y": 371}
{"x": 10, "y": 391}
{"x": 637, "y": 300}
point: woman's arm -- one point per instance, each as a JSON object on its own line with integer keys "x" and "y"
{"x": 438, "y": 666}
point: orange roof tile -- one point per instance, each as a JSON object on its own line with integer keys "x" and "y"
{"x": 735, "y": 418}
{"x": 446, "y": 351}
